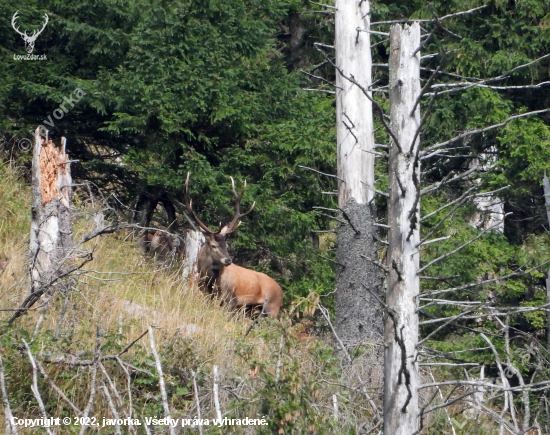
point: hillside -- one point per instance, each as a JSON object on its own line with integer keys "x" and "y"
{"x": 113, "y": 301}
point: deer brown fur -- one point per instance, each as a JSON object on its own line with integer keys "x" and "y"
{"x": 238, "y": 286}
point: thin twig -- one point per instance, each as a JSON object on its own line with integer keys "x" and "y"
{"x": 319, "y": 172}
{"x": 196, "y": 390}
{"x": 482, "y": 130}
{"x": 216, "y": 395}
{"x": 34, "y": 387}
{"x": 11, "y": 428}
{"x": 325, "y": 314}
{"x": 161, "y": 379}
{"x": 57, "y": 389}
{"x": 454, "y": 251}
{"x": 112, "y": 407}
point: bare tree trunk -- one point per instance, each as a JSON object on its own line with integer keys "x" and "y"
{"x": 193, "y": 243}
{"x": 546, "y": 185}
{"x": 51, "y": 239}
{"x": 490, "y": 208}
{"x": 358, "y": 315}
{"x": 353, "y": 108}
{"x": 401, "y": 323}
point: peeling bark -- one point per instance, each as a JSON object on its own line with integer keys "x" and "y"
{"x": 401, "y": 320}
{"x": 51, "y": 239}
{"x": 51, "y": 226}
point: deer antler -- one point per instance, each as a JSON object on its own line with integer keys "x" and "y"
{"x": 36, "y": 33}
{"x": 189, "y": 206}
{"x": 13, "y": 19}
{"x": 228, "y": 229}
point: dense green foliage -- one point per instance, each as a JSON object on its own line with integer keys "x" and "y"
{"x": 176, "y": 87}
{"x": 212, "y": 88}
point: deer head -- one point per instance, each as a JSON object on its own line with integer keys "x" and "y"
{"x": 29, "y": 39}
{"x": 215, "y": 248}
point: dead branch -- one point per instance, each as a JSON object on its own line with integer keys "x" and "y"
{"x": 129, "y": 386}
{"x": 482, "y": 130}
{"x": 34, "y": 386}
{"x": 319, "y": 172}
{"x": 196, "y": 390}
{"x": 454, "y": 251}
{"x": 437, "y": 185}
{"x": 57, "y": 389}
{"x": 446, "y": 17}
{"x": 11, "y": 428}
{"x": 112, "y": 407}
{"x": 90, "y": 400}
{"x": 325, "y": 314}
{"x": 161, "y": 379}
{"x": 216, "y": 394}
{"x": 488, "y": 281}
{"x": 35, "y": 295}
{"x": 448, "y": 322}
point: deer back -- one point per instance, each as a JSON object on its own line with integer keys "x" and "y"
{"x": 245, "y": 287}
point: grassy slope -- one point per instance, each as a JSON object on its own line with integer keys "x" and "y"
{"x": 124, "y": 287}
{"x": 123, "y": 291}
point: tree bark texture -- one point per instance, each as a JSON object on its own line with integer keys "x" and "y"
{"x": 51, "y": 238}
{"x": 358, "y": 314}
{"x": 193, "y": 244}
{"x": 401, "y": 320}
{"x": 353, "y": 109}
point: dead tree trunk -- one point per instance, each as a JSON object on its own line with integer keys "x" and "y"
{"x": 357, "y": 313}
{"x": 401, "y": 322}
{"x": 193, "y": 243}
{"x": 51, "y": 240}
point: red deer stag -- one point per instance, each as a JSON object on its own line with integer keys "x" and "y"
{"x": 239, "y": 286}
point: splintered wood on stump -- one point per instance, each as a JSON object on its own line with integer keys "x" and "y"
{"x": 358, "y": 314}
{"x": 401, "y": 322}
{"x": 51, "y": 240}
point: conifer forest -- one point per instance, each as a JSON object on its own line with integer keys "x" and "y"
{"x": 275, "y": 217}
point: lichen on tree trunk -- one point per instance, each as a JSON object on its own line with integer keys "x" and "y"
{"x": 358, "y": 313}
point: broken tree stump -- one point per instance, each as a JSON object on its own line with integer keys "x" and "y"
{"x": 51, "y": 240}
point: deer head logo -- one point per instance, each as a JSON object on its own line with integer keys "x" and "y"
{"x": 29, "y": 39}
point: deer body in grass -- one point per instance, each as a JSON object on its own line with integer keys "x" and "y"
{"x": 238, "y": 286}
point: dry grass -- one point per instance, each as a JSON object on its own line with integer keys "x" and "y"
{"x": 122, "y": 292}
{"x": 121, "y": 286}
